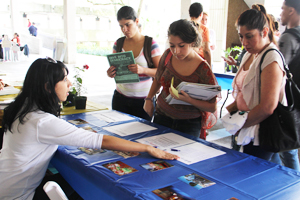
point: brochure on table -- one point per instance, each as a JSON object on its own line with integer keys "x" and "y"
{"x": 112, "y": 116}
{"x": 121, "y": 61}
{"x": 129, "y": 128}
{"x": 188, "y": 150}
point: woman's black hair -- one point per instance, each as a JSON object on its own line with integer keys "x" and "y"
{"x": 38, "y": 92}
{"x": 257, "y": 18}
{"x": 186, "y": 30}
{"x": 126, "y": 12}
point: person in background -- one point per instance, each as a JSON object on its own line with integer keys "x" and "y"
{"x": 129, "y": 97}
{"x": 196, "y": 14}
{"x": 289, "y": 45}
{"x": 1, "y": 50}
{"x": 257, "y": 94}
{"x": 29, "y": 23}
{"x": 6, "y": 45}
{"x": 182, "y": 63}
{"x": 212, "y": 33}
{"x": 33, "y": 30}
{"x": 33, "y": 131}
{"x": 15, "y": 49}
{"x": 16, "y": 39}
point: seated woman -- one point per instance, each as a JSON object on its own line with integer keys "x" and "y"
{"x": 184, "y": 64}
{"x": 129, "y": 97}
{"x": 33, "y": 131}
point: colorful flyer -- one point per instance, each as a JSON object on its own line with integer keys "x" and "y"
{"x": 91, "y": 151}
{"x": 196, "y": 181}
{"x": 156, "y": 165}
{"x": 171, "y": 192}
{"x": 120, "y": 168}
{"x": 88, "y": 128}
{"x": 77, "y": 121}
{"x": 127, "y": 154}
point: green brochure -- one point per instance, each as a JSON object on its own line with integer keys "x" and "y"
{"x": 121, "y": 61}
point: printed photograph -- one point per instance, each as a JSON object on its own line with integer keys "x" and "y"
{"x": 156, "y": 165}
{"x": 91, "y": 151}
{"x": 77, "y": 121}
{"x": 196, "y": 181}
{"x": 171, "y": 192}
{"x": 120, "y": 168}
{"x": 127, "y": 154}
{"x": 88, "y": 128}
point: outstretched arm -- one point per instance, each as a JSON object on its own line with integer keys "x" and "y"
{"x": 114, "y": 143}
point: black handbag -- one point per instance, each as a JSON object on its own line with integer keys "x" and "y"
{"x": 280, "y": 131}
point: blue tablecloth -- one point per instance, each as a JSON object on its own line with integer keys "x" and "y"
{"x": 235, "y": 174}
{"x": 225, "y": 80}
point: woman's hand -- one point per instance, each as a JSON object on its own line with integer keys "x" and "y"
{"x": 149, "y": 107}
{"x": 111, "y": 72}
{"x": 230, "y": 60}
{"x": 161, "y": 154}
{"x": 135, "y": 68}
{"x": 183, "y": 96}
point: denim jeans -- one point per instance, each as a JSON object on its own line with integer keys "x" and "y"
{"x": 257, "y": 151}
{"x": 288, "y": 158}
{"x": 129, "y": 105}
{"x": 188, "y": 126}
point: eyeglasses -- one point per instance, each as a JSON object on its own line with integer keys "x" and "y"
{"x": 51, "y": 60}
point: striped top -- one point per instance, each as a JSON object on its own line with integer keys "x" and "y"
{"x": 164, "y": 74}
{"x": 140, "y": 89}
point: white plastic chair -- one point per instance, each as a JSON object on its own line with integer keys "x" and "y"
{"x": 54, "y": 191}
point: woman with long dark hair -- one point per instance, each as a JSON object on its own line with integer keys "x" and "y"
{"x": 33, "y": 131}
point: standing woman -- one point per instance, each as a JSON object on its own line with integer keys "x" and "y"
{"x": 33, "y": 131}
{"x": 129, "y": 97}
{"x": 184, "y": 64}
{"x": 255, "y": 92}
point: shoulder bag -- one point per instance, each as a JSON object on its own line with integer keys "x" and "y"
{"x": 280, "y": 131}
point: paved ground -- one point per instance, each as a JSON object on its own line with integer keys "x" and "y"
{"x": 99, "y": 87}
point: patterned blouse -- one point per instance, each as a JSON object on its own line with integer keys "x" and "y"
{"x": 164, "y": 74}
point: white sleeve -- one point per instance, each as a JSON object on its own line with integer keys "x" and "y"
{"x": 52, "y": 130}
{"x": 270, "y": 57}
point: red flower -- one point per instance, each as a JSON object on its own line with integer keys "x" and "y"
{"x": 86, "y": 67}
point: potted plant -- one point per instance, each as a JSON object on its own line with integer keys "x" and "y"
{"x": 232, "y": 51}
{"x": 80, "y": 101}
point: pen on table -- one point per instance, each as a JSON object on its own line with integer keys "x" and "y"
{"x": 175, "y": 150}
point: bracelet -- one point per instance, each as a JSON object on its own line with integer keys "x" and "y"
{"x": 150, "y": 99}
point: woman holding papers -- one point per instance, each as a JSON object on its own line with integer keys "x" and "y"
{"x": 182, "y": 63}
{"x": 33, "y": 131}
{"x": 257, "y": 88}
{"x": 129, "y": 97}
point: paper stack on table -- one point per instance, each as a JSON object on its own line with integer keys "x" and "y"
{"x": 9, "y": 90}
{"x": 195, "y": 90}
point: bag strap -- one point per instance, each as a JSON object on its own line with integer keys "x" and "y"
{"x": 120, "y": 43}
{"x": 293, "y": 32}
{"x": 147, "y": 51}
{"x": 289, "y": 81}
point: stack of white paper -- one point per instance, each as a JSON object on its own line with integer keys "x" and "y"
{"x": 196, "y": 91}
{"x": 188, "y": 150}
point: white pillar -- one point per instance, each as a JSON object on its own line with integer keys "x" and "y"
{"x": 70, "y": 31}
{"x": 185, "y": 5}
{"x": 16, "y": 17}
